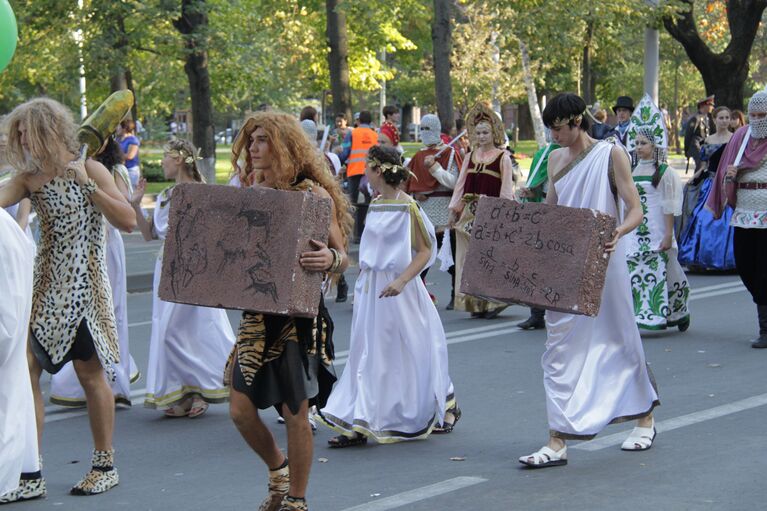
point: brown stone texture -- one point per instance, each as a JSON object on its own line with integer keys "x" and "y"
{"x": 540, "y": 255}
{"x": 235, "y": 248}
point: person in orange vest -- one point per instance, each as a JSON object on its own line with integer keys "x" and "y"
{"x": 354, "y": 154}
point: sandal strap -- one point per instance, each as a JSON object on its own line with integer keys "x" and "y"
{"x": 546, "y": 454}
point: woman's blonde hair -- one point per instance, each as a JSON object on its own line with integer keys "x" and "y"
{"x": 188, "y": 154}
{"x": 48, "y": 124}
{"x": 293, "y": 156}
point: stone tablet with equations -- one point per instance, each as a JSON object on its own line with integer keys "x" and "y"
{"x": 552, "y": 257}
{"x": 235, "y": 248}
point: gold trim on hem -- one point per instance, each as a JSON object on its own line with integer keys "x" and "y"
{"x": 363, "y": 428}
{"x": 208, "y": 395}
{"x": 616, "y": 420}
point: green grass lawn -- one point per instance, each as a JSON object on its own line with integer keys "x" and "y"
{"x": 524, "y": 150}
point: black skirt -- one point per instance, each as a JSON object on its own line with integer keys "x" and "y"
{"x": 299, "y": 373}
{"x": 82, "y": 349}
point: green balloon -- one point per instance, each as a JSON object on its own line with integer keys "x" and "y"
{"x": 9, "y": 33}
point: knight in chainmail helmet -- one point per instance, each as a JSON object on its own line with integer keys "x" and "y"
{"x": 757, "y": 115}
{"x": 435, "y": 169}
{"x": 741, "y": 181}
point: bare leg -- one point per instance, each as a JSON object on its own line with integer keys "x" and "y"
{"x": 646, "y": 421}
{"x": 555, "y": 443}
{"x": 253, "y": 430}
{"x": 300, "y": 448}
{"x": 35, "y": 371}
{"x": 101, "y": 402}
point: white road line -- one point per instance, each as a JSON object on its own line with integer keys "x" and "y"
{"x": 342, "y": 356}
{"x": 55, "y": 413}
{"x": 679, "y": 422}
{"x": 501, "y": 327}
{"x": 732, "y": 283}
{"x": 721, "y": 292}
{"x": 419, "y": 494}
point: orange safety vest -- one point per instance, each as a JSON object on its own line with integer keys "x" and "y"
{"x": 362, "y": 140}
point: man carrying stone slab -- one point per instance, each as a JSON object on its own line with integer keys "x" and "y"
{"x": 285, "y": 361}
{"x": 594, "y": 367}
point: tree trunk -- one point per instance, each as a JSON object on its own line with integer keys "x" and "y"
{"x": 338, "y": 59}
{"x": 724, "y": 74}
{"x": 586, "y": 74}
{"x": 442, "y": 42}
{"x": 532, "y": 95}
{"x": 193, "y": 24}
{"x": 407, "y": 119}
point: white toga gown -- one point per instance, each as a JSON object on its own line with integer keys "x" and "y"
{"x": 189, "y": 344}
{"x": 18, "y": 430}
{"x": 594, "y": 367}
{"x": 395, "y": 385}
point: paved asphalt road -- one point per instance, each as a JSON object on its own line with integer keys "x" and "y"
{"x": 709, "y": 454}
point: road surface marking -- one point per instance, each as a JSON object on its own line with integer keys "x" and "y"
{"x": 732, "y": 283}
{"x": 721, "y": 292}
{"x": 419, "y": 494}
{"x": 679, "y": 422}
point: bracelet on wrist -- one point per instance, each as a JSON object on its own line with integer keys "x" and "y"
{"x": 89, "y": 187}
{"x": 337, "y": 258}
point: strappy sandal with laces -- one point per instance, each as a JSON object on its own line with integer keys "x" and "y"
{"x": 341, "y": 441}
{"x": 198, "y": 408}
{"x": 447, "y": 427}
{"x": 640, "y": 439}
{"x": 545, "y": 457}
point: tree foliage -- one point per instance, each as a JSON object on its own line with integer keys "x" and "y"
{"x": 275, "y": 51}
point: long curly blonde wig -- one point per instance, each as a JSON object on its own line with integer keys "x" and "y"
{"x": 48, "y": 124}
{"x": 292, "y": 156}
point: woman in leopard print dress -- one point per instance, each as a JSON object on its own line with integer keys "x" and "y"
{"x": 72, "y": 314}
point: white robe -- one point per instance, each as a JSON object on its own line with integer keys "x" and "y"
{"x": 594, "y": 367}
{"x": 189, "y": 344}
{"x": 395, "y": 385}
{"x": 18, "y": 429}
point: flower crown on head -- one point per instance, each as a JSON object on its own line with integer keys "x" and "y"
{"x": 185, "y": 155}
{"x": 388, "y": 167}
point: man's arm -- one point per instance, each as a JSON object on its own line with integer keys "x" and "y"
{"x": 346, "y": 147}
{"x": 106, "y": 198}
{"x": 12, "y": 191}
{"x": 628, "y": 193}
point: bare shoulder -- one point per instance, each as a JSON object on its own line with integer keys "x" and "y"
{"x": 92, "y": 166}
{"x": 320, "y": 191}
{"x": 618, "y": 155}
{"x": 556, "y": 161}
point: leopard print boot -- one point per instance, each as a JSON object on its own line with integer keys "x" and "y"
{"x": 279, "y": 484}
{"x": 102, "y": 476}
{"x": 293, "y": 504}
{"x": 31, "y": 486}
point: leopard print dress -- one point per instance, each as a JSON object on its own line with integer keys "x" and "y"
{"x": 70, "y": 279}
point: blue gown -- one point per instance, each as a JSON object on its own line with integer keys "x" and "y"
{"x": 706, "y": 242}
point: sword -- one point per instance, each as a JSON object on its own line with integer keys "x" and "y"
{"x": 739, "y": 157}
{"x": 451, "y": 143}
{"x": 324, "y": 138}
{"x": 742, "y": 147}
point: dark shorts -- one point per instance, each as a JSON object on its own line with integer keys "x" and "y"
{"x": 82, "y": 349}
